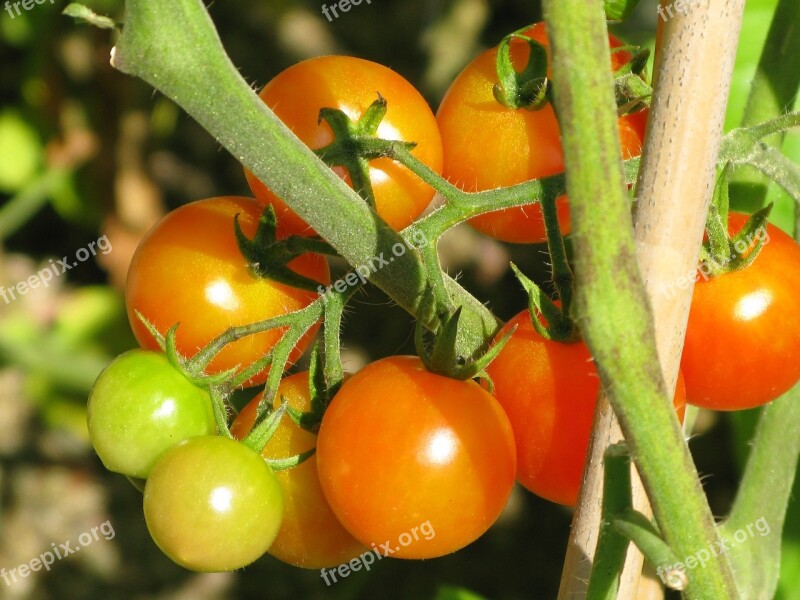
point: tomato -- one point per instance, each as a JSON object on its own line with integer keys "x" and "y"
{"x": 351, "y": 85}
{"x": 413, "y": 462}
{"x": 742, "y": 345}
{"x": 139, "y": 407}
{"x": 188, "y": 269}
{"x": 310, "y": 535}
{"x": 487, "y": 145}
{"x": 212, "y": 504}
{"x": 549, "y": 391}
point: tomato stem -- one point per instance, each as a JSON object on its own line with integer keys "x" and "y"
{"x": 562, "y": 272}
{"x": 611, "y": 545}
{"x": 764, "y": 495}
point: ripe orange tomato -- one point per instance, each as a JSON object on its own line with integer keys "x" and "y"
{"x": 549, "y": 391}
{"x": 487, "y": 145}
{"x": 310, "y": 535}
{"x": 188, "y": 269}
{"x": 351, "y": 85}
{"x": 742, "y": 345}
{"x": 415, "y": 463}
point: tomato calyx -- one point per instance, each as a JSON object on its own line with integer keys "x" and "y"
{"x": 549, "y": 319}
{"x": 631, "y": 87}
{"x": 320, "y": 396}
{"x": 529, "y": 89}
{"x": 441, "y": 357}
{"x": 356, "y": 143}
{"x": 268, "y": 419}
{"x": 268, "y": 258}
{"x": 262, "y": 433}
{"x": 721, "y": 252}
{"x": 187, "y": 367}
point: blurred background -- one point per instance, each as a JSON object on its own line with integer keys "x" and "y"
{"x": 87, "y": 152}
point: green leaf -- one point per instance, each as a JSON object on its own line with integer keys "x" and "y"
{"x": 20, "y": 153}
{"x": 83, "y": 13}
{"x": 619, "y": 10}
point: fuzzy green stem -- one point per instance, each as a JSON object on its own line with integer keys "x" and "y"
{"x": 765, "y": 493}
{"x": 17, "y": 211}
{"x": 611, "y": 545}
{"x": 611, "y": 304}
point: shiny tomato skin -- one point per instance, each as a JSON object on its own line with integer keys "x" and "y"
{"x": 351, "y": 85}
{"x": 487, "y": 145}
{"x": 742, "y": 347}
{"x": 188, "y": 269}
{"x": 549, "y": 392}
{"x": 139, "y": 407}
{"x": 402, "y": 450}
{"x": 310, "y": 535}
{"x": 212, "y": 504}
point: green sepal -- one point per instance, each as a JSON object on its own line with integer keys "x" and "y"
{"x": 529, "y": 89}
{"x": 157, "y": 335}
{"x": 721, "y": 253}
{"x": 443, "y": 358}
{"x": 477, "y": 369}
{"x": 756, "y": 222}
{"x": 631, "y": 88}
{"x": 559, "y": 327}
{"x": 319, "y": 393}
{"x": 281, "y": 464}
{"x": 265, "y": 428}
{"x": 355, "y": 144}
{"x": 268, "y": 258}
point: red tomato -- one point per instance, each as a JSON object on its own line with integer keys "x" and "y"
{"x": 188, "y": 269}
{"x": 310, "y": 535}
{"x": 487, "y": 145}
{"x": 414, "y": 464}
{"x": 351, "y": 85}
{"x": 549, "y": 391}
{"x": 742, "y": 345}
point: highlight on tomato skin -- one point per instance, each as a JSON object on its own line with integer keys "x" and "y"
{"x": 742, "y": 347}
{"x": 549, "y": 391}
{"x": 488, "y": 146}
{"x": 188, "y": 269}
{"x": 310, "y": 535}
{"x": 296, "y": 96}
{"x": 400, "y": 446}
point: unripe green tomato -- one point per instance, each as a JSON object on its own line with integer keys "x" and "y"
{"x": 213, "y": 504}
{"x": 139, "y": 407}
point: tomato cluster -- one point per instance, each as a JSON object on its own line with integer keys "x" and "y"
{"x": 400, "y": 447}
